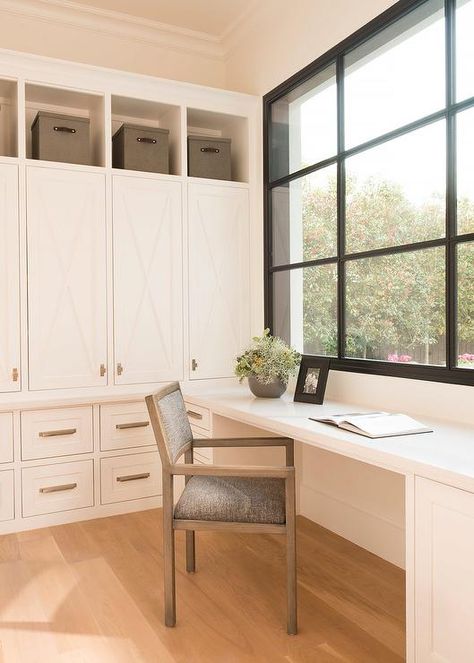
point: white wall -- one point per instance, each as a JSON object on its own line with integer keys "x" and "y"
{"x": 281, "y": 37}
{"x": 61, "y": 32}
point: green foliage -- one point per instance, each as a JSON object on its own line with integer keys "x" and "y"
{"x": 395, "y": 304}
{"x": 268, "y": 357}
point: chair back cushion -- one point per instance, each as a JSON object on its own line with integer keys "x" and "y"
{"x": 170, "y": 423}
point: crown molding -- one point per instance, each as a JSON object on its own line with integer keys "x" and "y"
{"x": 118, "y": 24}
{"x": 239, "y": 29}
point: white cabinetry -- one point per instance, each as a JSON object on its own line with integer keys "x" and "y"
{"x": 59, "y": 487}
{"x": 6, "y": 437}
{"x": 444, "y": 577}
{"x": 67, "y": 278}
{"x": 59, "y": 432}
{"x": 124, "y": 426}
{"x": 148, "y": 297}
{"x": 218, "y": 277}
{"x": 130, "y": 477}
{"x": 9, "y": 280}
{"x": 7, "y": 507}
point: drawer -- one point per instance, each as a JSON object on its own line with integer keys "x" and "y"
{"x": 125, "y": 425}
{"x": 7, "y": 510}
{"x": 199, "y": 416}
{"x": 61, "y": 432}
{"x": 60, "y": 487}
{"x": 201, "y": 455}
{"x": 130, "y": 477}
{"x": 6, "y": 437}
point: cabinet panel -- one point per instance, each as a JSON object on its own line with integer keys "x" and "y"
{"x": 130, "y": 477}
{"x": 60, "y": 487}
{"x": 148, "y": 298}
{"x": 219, "y": 301}
{"x": 444, "y": 579}
{"x": 125, "y": 425}
{"x": 198, "y": 416}
{"x": 6, "y": 437}
{"x": 9, "y": 280}
{"x": 58, "y": 432}
{"x": 67, "y": 278}
{"x": 7, "y": 504}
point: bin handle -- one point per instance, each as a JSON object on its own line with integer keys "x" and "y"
{"x": 146, "y": 140}
{"x": 214, "y": 150}
{"x": 68, "y": 130}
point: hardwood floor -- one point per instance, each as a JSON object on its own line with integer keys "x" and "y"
{"x": 91, "y": 592}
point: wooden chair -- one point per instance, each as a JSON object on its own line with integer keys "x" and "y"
{"x": 244, "y": 499}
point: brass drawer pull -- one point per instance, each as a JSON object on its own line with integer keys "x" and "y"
{"x": 55, "y": 433}
{"x": 193, "y": 415}
{"x": 58, "y": 489}
{"x": 133, "y": 477}
{"x": 136, "y": 424}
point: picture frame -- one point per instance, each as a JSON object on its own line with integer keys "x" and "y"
{"x": 312, "y": 379}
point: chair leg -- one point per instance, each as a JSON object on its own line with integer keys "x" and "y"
{"x": 190, "y": 551}
{"x": 292, "y": 627}
{"x": 168, "y": 552}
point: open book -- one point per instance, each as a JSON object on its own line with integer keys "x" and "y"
{"x": 375, "y": 424}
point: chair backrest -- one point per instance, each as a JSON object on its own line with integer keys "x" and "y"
{"x": 170, "y": 423}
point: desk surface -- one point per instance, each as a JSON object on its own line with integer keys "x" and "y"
{"x": 446, "y": 455}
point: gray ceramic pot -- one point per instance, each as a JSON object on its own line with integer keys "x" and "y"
{"x": 273, "y": 389}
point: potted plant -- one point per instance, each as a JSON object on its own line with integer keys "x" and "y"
{"x": 268, "y": 364}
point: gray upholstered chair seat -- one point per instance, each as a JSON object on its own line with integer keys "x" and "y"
{"x": 233, "y": 499}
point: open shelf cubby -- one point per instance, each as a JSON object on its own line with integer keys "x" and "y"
{"x": 221, "y": 125}
{"x": 72, "y": 103}
{"x": 8, "y": 118}
{"x": 152, "y": 114}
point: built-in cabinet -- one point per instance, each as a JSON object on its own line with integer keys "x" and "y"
{"x": 444, "y": 578}
{"x": 9, "y": 280}
{"x": 148, "y": 280}
{"x": 219, "y": 318}
{"x": 112, "y": 278}
{"x": 67, "y": 309}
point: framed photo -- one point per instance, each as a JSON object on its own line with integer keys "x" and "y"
{"x": 312, "y": 380}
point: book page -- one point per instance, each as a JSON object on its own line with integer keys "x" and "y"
{"x": 385, "y": 424}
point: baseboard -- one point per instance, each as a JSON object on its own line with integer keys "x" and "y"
{"x": 368, "y": 530}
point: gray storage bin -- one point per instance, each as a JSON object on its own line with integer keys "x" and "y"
{"x": 209, "y": 157}
{"x": 61, "y": 138}
{"x": 135, "y": 147}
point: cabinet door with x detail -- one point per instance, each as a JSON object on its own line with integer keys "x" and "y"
{"x": 67, "y": 316}
{"x": 148, "y": 264}
{"x": 219, "y": 296}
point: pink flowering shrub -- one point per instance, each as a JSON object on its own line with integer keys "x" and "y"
{"x": 400, "y": 358}
{"x": 465, "y": 358}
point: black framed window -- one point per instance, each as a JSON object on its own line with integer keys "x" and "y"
{"x": 369, "y": 198}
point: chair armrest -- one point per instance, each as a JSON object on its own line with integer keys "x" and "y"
{"x": 276, "y": 472}
{"x": 243, "y": 442}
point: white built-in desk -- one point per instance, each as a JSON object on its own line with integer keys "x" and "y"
{"x": 439, "y": 508}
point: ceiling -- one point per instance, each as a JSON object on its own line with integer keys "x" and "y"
{"x": 214, "y": 17}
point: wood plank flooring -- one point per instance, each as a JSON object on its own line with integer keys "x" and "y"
{"x": 91, "y": 592}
